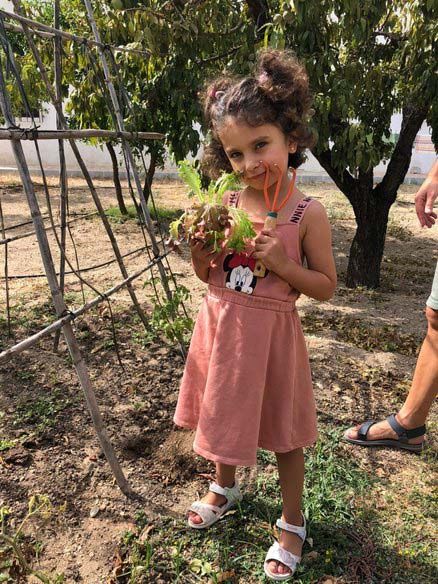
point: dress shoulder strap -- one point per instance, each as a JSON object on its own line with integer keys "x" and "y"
{"x": 233, "y": 198}
{"x": 300, "y": 209}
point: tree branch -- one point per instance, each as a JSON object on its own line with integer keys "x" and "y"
{"x": 259, "y": 12}
{"x": 413, "y": 118}
{"x": 346, "y": 183}
{"x": 221, "y": 56}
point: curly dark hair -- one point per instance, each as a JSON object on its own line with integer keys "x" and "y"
{"x": 277, "y": 93}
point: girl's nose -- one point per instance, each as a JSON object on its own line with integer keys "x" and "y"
{"x": 252, "y": 165}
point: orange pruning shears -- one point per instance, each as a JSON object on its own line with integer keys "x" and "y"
{"x": 273, "y": 209}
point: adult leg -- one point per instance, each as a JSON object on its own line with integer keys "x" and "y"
{"x": 423, "y": 390}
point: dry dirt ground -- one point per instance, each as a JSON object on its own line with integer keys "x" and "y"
{"x": 362, "y": 346}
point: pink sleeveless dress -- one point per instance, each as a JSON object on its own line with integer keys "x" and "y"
{"x": 247, "y": 380}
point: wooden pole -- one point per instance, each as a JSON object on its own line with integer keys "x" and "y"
{"x": 66, "y": 134}
{"x": 58, "y": 107}
{"x": 57, "y": 324}
{"x": 8, "y": 306}
{"x": 57, "y": 297}
{"x": 130, "y": 157}
{"x": 38, "y": 26}
{"x": 62, "y": 165}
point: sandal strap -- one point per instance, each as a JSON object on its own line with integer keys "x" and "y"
{"x": 404, "y": 433}
{"x": 364, "y": 428}
{"x": 299, "y": 530}
{"x": 230, "y": 493}
{"x": 205, "y": 511}
{"x": 279, "y": 554}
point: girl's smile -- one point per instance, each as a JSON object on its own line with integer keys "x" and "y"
{"x": 249, "y": 148}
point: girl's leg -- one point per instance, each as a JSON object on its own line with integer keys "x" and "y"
{"x": 291, "y": 471}
{"x": 225, "y": 478}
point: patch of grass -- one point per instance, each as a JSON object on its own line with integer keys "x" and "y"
{"x": 398, "y": 230}
{"x": 18, "y": 551}
{"x": 42, "y": 413}
{"x": 360, "y": 529}
{"x": 234, "y": 549}
{"x": 337, "y": 207}
{"x": 162, "y": 214}
{"x": 360, "y": 293}
{"x": 361, "y": 333}
{"x": 5, "y": 444}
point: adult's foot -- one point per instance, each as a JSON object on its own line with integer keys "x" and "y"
{"x": 382, "y": 431}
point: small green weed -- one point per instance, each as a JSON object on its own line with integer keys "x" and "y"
{"x": 41, "y": 413}
{"x": 169, "y": 319}
{"x": 161, "y": 214}
{"x": 17, "y": 550}
{"x": 5, "y": 444}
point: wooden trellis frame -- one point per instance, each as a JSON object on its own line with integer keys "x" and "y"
{"x": 16, "y": 135}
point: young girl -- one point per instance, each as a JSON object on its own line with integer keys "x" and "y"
{"x": 247, "y": 381}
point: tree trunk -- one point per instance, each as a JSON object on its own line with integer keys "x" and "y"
{"x": 149, "y": 176}
{"x": 116, "y": 177}
{"x": 366, "y": 250}
{"x": 259, "y": 12}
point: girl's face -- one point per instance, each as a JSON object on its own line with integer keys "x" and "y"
{"x": 248, "y": 147}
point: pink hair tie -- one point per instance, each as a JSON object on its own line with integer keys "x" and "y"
{"x": 216, "y": 95}
{"x": 263, "y": 78}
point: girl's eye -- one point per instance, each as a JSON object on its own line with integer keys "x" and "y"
{"x": 260, "y": 145}
{"x": 234, "y": 154}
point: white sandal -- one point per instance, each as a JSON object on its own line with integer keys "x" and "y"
{"x": 279, "y": 554}
{"x": 212, "y": 513}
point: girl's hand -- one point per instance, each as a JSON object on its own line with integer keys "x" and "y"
{"x": 202, "y": 254}
{"x": 270, "y": 249}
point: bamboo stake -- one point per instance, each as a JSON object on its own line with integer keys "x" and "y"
{"x": 17, "y": 28}
{"x": 58, "y": 299}
{"x": 33, "y": 339}
{"x": 58, "y": 107}
{"x": 62, "y": 165}
{"x": 8, "y": 307}
{"x": 38, "y": 26}
{"x": 66, "y": 134}
{"x": 121, "y": 128}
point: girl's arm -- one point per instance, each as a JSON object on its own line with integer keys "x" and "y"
{"x": 318, "y": 280}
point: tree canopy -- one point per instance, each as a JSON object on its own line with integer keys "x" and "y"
{"x": 366, "y": 60}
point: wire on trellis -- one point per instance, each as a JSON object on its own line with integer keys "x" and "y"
{"x": 129, "y": 161}
{"x": 65, "y": 316}
{"x": 134, "y": 252}
{"x": 11, "y": 61}
{"x": 58, "y": 299}
{"x": 82, "y": 166}
{"x": 72, "y": 314}
{"x": 148, "y": 186}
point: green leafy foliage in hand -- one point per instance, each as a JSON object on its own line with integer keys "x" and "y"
{"x": 208, "y": 218}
